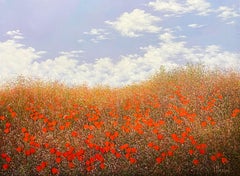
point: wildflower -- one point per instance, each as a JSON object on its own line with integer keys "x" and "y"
{"x": 55, "y": 170}
{"x": 160, "y": 136}
{"x": 203, "y": 124}
{"x": 224, "y": 160}
{"x": 213, "y": 158}
{"x": 213, "y": 122}
{"x": 174, "y": 147}
{"x": 188, "y": 129}
{"x": 102, "y": 165}
{"x": 74, "y": 134}
{"x": 13, "y": 114}
{"x": 7, "y": 130}
{"x": 89, "y": 168}
{"x": 155, "y": 131}
{"x": 159, "y": 160}
{"x": 108, "y": 134}
{"x": 7, "y": 125}
{"x": 150, "y": 144}
{"x": 19, "y": 149}
{"x": 52, "y": 150}
{"x": 32, "y": 150}
{"x": 170, "y": 153}
{"x": 43, "y": 164}
{"x": 90, "y": 136}
{"x": 181, "y": 140}
{"x": 39, "y": 168}
{"x": 195, "y": 161}
{"x": 124, "y": 146}
{"x": 161, "y": 122}
{"x": 118, "y": 155}
{"x": 184, "y": 134}
{"x": 4, "y": 155}
{"x": 44, "y": 130}
{"x": 218, "y": 155}
{"x": 98, "y": 125}
{"x": 168, "y": 113}
{"x": 156, "y": 147}
{"x": 46, "y": 145}
{"x": 67, "y": 124}
{"x": 2, "y": 118}
{"x": 133, "y": 150}
{"x": 27, "y": 152}
{"x": 132, "y": 160}
{"x": 202, "y": 151}
{"x": 191, "y": 152}
{"x": 58, "y": 160}
{"x": 71, "y": 165}
{"x": 8, "y": 159}
{"x": 235, "y": 112}
{"x": 5, "y": 166}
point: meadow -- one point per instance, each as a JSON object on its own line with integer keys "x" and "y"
{"x": 180, "y": 122}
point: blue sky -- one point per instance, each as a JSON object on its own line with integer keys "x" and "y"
{"x": 115, "y": 42}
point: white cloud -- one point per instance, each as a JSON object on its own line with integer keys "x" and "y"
{"x": 73, "y": 53}
{"x": 94, "y": 32}
{"x": 194, "y": 25}
{"x": 17, "y": 59}
{"x": 166, "y": 37}
{"x": 15, "y": 34}
{"x": 80, "y": 40}
{"x": 226, "y": 13}
{"x": 134, "y": 23}
{"x": 98, "y": 35}
{"x": 176, "y": 7}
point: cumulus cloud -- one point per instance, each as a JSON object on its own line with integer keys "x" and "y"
{"x": 17, "y": 59}
{"x": 226, "y": 13}
{"x": 176, "y": 7}
{"x": 73, "y": 53}
{"x": 134, "y": 23}
{"x": 194, "y": 25}
{"x": 98, "y": 35}
{"x": 15, "y": 34}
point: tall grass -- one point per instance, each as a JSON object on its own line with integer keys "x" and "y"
{"x": 180, "y": 122}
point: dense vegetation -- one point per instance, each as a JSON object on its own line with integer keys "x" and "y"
{"x": 181, "y": 122}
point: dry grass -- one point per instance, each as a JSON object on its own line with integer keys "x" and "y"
{"x": 182, "y": 122}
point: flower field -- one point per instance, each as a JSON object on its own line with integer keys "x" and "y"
{"x": 181, "y": 122}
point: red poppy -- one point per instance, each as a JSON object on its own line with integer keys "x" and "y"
{"x": 8, "y": 159}
{"x": 58, "y": 160}
{"x": 224, "y": 160}
{"x": 39, "y": 168}
{"x": 52, "y": 150}
{"x": 203, "y": 124}
{"x": 195, "y": 161}
{"x": 5, "y": 166}
{"x": 55, "y": 170}
{"x": 7, "y": 130}
{"x": 132, "y": 160}
{"x": 74, "y": 134}
{"x": 191, "y": 152}
{"x": 159, "y": 160}
{"x": 160, "y": 136}
{"x": 7, "y": 125}
{"x": 213, "y": 158}
{"x": 19, "y": 149}
{"x": 2, "y": 118}
{"x": 102, "y": 165}
{"x": 124, "y": 146}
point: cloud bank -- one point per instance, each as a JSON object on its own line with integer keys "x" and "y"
{"x": 17, "y": 59}
{"x": 134, "y": 23}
